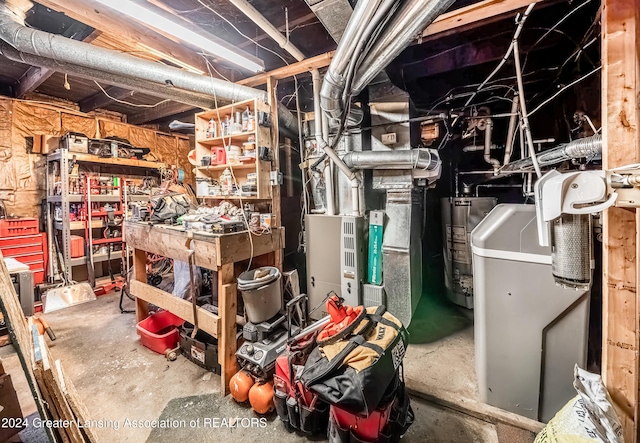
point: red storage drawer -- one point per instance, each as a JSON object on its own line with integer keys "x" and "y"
{"x": 38, "y": 277}
{"x": 21, "y": 240}
{"x": 15, "y": 251}
{"x": 28, "y": 249}
{"x": 18, "y": 226}
{"x": 29, "y": 258}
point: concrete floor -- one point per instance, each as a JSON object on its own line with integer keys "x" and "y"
{"x": 119, "y": 379}
{"x": 449, "y": 359}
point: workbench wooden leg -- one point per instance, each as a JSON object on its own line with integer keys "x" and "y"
{"x": 140, "y": 274}
{"x": 227, "y": 306}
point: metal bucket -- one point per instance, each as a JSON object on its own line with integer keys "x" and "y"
{"x": 262, "y": 296}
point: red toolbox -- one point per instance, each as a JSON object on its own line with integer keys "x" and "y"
{"x": 28, "y": 249}
{"x": 11, "y": 227}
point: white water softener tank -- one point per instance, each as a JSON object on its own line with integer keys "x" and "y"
{"x": 529, "y": 332}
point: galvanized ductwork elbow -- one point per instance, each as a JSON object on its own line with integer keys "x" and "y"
{"x": 419, "y": 158}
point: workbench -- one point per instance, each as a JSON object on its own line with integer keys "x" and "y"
{"x": 217, "y": 252}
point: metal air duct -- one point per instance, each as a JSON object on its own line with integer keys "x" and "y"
{"x": 333, "y": 14}
{"x": 580, "y": 148}
{"x": 405, "y": 159}
{"x": 365, "y": 18}
{"x": 58, "y": 48}
{"x": 162, "y": 91}
{"x": 412, "y": 17}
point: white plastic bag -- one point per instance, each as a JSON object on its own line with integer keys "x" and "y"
{"x": 588, "y": 417}
{"x": 182, "y": 280}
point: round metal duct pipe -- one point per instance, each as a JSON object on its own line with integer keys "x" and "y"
{"x": 58, "y": 48}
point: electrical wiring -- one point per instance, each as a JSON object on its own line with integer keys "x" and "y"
{"x": 560, "y": 91}
{"x": 562, "y": 20}
{"x": 241, "y": 33}
{"x": 211, "y": 67}
{"x": 520, "y": 21}
{"x": 124, "y": 102}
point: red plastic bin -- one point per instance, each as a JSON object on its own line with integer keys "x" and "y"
{"x": 10, "y": 227}
{"x": 159, "y": 331}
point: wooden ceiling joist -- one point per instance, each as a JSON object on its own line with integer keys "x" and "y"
{"x": 100, "y": 99}
{"x": 131, "y": 34}
{"x": 475, "y": 15}
{"x": 320, "y": 61}
{"x": 35, "y": 76}
{"x": 159, "y": 112}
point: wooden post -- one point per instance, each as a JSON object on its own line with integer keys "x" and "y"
{"x": 140, "y": 274}
{"x": 272, "y": 85}
{"x": 621, "y": 146}
{"x": 227, "y": 303}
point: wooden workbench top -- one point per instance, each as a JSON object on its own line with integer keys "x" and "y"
{"x": 211, "y": 250}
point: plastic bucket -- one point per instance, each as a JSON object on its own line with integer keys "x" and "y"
{"x": 262, "y": 296}
{"x": 159, "y": 331}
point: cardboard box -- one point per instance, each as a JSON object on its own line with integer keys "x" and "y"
{"x": 49, "y": 143}
{"x": 376, "y": 227}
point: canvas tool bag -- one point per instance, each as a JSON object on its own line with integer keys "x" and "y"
{"x": 354, "y": 372}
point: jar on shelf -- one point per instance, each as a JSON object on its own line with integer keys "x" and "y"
{"x": 226, "y": 182}
{"x": 212, "y": 131}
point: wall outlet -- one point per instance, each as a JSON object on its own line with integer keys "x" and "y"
{"x": 275, "y": 178}
{"x": 390, "y": 138}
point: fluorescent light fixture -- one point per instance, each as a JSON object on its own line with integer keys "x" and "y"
{"x": 150, "y": 18}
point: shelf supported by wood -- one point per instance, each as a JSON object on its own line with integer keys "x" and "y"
{"x": 215, "y": 252}
{"x": 621, "y": 146}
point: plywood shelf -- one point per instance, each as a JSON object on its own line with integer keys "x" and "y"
{"x": 225, "y": 166}
{"x": 125, "y": 162}
{"x": 231, "y": 197}
{"x": 227, "y": 140}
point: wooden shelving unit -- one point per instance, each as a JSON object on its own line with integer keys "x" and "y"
{"x": 260, "y": 136}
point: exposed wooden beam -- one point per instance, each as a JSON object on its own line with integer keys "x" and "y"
{"x": 129, "y": 32}
{"x": 30, "y": 80}
{"x": 35, "y": 76}
{"x": 464, "y": 56}
{"x": 100, "y": 99}
{"x": 621, "y": 146}
{"x": 471, "y": 16}
{"x": 161, "y": 111}
{"x": 292, "y": 24}
{"x": 320, "y": 61}
{"x": 475, "y": 15}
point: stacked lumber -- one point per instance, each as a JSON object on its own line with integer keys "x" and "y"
{"x": 54, "y": 394}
